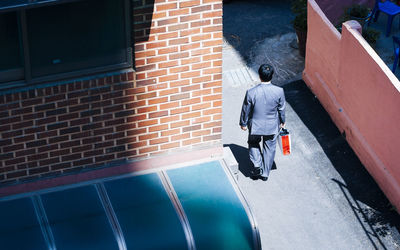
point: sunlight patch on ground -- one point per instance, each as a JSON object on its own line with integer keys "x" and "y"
{"x": 279, "y": 52}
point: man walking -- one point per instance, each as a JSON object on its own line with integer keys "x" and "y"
{"x": 263, "y": 113}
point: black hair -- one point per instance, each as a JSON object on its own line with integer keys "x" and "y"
{"x": 266, "y": 72}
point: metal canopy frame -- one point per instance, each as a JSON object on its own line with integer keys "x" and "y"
{"x": 110, "y": 213}
{"x": 112, "y": 217}
{"x": 249, "y": 211}
{"x": 178, "y": 208}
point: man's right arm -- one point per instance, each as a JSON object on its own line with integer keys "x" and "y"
{"x": 244, "y": 115}
{"x": 281, "y": 108}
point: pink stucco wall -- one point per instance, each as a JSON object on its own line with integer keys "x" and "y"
{"x": 335, "y": 9}
{"x": 359, "y": 92}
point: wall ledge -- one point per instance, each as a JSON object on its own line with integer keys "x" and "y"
{"x": 355, "y": 29}
{"x": 143, "y": 166}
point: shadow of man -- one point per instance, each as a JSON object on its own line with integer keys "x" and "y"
{"x": 242, "y": 157}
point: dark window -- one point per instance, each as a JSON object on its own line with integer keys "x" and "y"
{"x": 11, "y": 62}
{"x": 63, "y": 40}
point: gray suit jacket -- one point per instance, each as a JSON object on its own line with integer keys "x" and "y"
{"x": 263, "y": 109}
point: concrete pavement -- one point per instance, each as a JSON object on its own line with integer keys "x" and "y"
{"x": 320, "y": 197}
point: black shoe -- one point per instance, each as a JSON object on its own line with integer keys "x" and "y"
{"x": 264, "y": 178}
{"x": 254, "y": 177}
{"x": 256, "y": 171}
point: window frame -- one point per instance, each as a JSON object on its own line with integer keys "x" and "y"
{"x": 28, "y": 80}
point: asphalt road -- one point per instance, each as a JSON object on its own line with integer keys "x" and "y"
{"x": 321, "y": 196}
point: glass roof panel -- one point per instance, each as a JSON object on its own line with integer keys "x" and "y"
{"x": 19, "y": 227}
{"x": 78, "y": 220}
{"x": 145, "y": 213}
{"x": 18, "y": 4}
{"x": 11, "y": 3}
{"x": 215, "y": 213}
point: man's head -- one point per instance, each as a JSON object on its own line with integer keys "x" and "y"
{"x": 266, "y": 72}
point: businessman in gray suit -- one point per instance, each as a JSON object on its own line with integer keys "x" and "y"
{"x": 263, "y": 113}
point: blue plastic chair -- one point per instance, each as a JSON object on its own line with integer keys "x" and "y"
{"x": 396, "y": 47}
{"x": 389, "y": 8}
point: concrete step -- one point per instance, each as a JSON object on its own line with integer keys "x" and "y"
{"x": 231, "y": 162}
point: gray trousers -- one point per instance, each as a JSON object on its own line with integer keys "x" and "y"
{"x": 262, "y": 160}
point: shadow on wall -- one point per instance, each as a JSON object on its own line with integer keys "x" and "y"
{"x": 142, "y": 17}
{"x": 334, "y": 11}
{"x": 358, "y": 184}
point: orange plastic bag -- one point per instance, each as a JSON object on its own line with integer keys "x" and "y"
{"x": 285, "y": 142}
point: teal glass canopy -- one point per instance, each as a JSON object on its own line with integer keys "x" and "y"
{"x": 216, "y": 215}
{"x": 19, "y": 227}
{"x": 145, "y": 213}
{"x": 77, "y": 219}
{"x": 194, "y": 207}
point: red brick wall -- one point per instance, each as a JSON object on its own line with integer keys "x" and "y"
{"x": 179, "y": 66}
{"x": 172, "y": 101}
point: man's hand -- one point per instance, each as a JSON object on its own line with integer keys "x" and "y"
{"x": 244, "y": 128}
{"x": 282, "y": 125}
